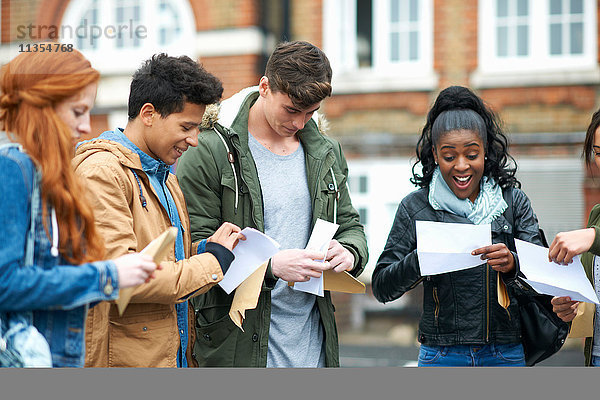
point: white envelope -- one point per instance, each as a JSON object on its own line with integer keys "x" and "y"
{"x": 548, "y": 277}
{"x": 446, "y": 247}
{"x": 320, "y": 238}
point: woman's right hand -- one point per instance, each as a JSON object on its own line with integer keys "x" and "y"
{"x": 567, "y": 245}
{"x": 135, "y": 269}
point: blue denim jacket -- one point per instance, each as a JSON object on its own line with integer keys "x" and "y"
{"x": 58, "y": 293}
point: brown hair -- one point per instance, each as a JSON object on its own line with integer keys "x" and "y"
{"x": 300, "y": 70}
{"x": 588, "y": 144}
{"x": 31, "y": 85}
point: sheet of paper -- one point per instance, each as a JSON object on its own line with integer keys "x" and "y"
{"x": 249, "y": 255}
{"x": 320, "y": 238}
{"x": 548, "y": 277}
{"x": 446, "y": 247}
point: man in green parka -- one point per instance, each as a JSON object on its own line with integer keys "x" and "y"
{"x": 263, "y": 162}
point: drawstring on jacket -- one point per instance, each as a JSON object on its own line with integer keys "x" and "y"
{"x": 231, "y": 160}
{"x": 337, "y": 195}
{"x": 142, "y": 198}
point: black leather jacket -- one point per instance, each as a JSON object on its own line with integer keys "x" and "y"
{"x": 458, "y": 307}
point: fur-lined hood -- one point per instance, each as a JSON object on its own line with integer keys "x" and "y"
{"x": 225, "y": 112}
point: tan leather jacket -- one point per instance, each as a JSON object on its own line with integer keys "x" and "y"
{"x": 146, "y": 335}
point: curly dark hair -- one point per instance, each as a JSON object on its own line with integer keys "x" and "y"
{"x": 169, "y": 82}
{"x": 496, "y": 143}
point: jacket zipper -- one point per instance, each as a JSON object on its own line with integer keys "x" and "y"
{"x": 437, "y": 306}
{"x": 238, "y": 152}
{"x": 487, "y": 302}
{"x": 414, "y": 285}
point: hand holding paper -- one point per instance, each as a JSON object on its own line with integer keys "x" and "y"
{"x": 158, "y": 250}
{"x": 498, "y": 257}
{"x": 565, "y": 308}
{"x": 340, "y": 258}
{"x": 551, "y": 278}
{"x": 249, "y": 255}
{"x": 446, "y": 247}
{"x": 319, "y": 240}
{"x": 247, "y": 272}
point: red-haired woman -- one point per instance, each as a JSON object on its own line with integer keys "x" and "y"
{"x": 49, "y": 249}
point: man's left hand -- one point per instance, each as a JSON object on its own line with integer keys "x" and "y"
{"x": 340, "y": 258}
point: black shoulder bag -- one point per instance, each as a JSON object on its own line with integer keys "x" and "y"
{"x": 543, "y": 333}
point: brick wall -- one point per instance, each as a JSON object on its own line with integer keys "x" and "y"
{"x": 306, "y": 21}
{"x": 455, "y": 44}
{"x": 221, "y": 14}
{"x": 236, "y": 72}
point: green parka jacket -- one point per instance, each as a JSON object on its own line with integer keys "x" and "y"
{"x": 587, "y": 259}
{"x": 220, "y": 183}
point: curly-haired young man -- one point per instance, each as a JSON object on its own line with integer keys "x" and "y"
{"x": 135, "y": 199}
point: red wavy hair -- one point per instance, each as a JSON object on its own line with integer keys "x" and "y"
{"x": 31, "y": 85}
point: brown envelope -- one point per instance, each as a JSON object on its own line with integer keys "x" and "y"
{"x": 583, "y": 324}
{"x": 340, "y": 282}
{"x": 158, "y": 250}
{"x": 246, "y": 295}
{"x": 503, "y": 298}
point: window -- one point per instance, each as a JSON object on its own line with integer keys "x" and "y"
{"x": 362, "y": 215}
{"x": 116, "y": 35}
{"x": 532, "y": 42}
{"x": 376, "y": 188}
{"x": 389, "y": 42}
{"x": 358, "y": 184}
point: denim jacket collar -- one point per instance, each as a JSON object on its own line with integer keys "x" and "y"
{"x": 150, "y": 165}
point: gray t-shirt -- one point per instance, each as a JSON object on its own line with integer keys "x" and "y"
{"x": 295, "y": 332}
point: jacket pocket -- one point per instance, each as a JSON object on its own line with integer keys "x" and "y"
{"x": 329, "y": 196}
{"x": 230, "y": 197}
{"x": 150, "y": 343}
{"x": 215, "y": 341}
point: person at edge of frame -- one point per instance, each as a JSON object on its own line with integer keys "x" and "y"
{"x": 51, "y": 252}
{"x": 586, "y": 242}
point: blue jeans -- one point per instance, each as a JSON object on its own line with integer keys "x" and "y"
{"x": 595, "y": 361}
{"x": 489, "y": 355}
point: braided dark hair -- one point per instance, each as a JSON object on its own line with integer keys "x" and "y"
{"x": 497, "y": 164}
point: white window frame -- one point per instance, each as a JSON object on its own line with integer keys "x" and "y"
{"x": 381, "y": 199}
{"x": 340, "y": 45}
{"x": 539, "y": 67}
{"x": 110, "y": 59}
